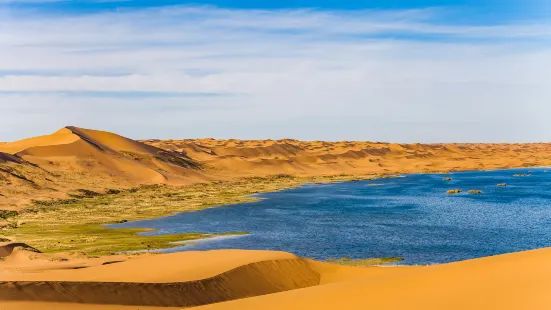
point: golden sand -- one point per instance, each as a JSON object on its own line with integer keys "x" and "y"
{"x": 53, "y": 166}
{"x": 235, "y": 279}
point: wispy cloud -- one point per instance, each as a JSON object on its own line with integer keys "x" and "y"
{"x": 380, "y": 75}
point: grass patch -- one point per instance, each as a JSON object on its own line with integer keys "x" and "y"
{"x": 6, "y": 214}
{"x": 100, "y": 240}
{"x": 345, "y": 261}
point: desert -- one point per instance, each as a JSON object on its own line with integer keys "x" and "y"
{"x": 285, "y": 155}
{"x": 57, "y": 253}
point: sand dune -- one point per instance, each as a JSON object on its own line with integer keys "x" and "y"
{"x": 183, "y": 279}
{"x": 73, "y": 158}
{"x": 62, "y": 136}
{"x": 274, "y": 280}
{"x": 57, "y": 166}
{"x": 512, "y": 281}
{"x": 264, "y": 157}
{"x": 7, "y": 249}
{"x": 109, "y": 150}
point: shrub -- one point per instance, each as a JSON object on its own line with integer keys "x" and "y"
{"x": 454, "y": 191}
{"x": 5, "y": 214}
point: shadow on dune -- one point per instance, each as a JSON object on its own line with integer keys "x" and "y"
{"x": 250, "y": 280}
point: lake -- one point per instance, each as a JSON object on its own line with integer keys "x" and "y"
{"x": 411, "y": 217}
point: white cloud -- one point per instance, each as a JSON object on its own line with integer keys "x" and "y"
{"x": 390, "y": 75}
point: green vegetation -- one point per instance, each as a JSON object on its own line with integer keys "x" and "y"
{"x": 99, "y": 240}
{"x": 75, "y": 224}
{"x": 454, "y": 191}
{"x": 5, "y": 214}
{"x": 364, "y": 262}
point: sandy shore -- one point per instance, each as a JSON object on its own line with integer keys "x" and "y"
{"x": 237, "y": 279}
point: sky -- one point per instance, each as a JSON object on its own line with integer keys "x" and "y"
{"x": 376, "y": 70}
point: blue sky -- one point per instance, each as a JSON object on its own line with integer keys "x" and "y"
{"x": 487, "y": 11}
{"x": 406, "y": 71}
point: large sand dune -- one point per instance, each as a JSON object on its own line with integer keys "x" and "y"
{"x": 73, "y": 158}
{"x": 275, "y": 280}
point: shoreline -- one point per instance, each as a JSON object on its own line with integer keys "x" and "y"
{"x": 259, "y": 196}
{"x": 249, "y": 189}
{"x": 67, "y": 220}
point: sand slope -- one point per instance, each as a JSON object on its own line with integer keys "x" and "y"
{"x": 62, "y": 136}
{"x": 182, "y": 279}
{"x": 512, "y": 281}
{"x": 276, "y": 280}
{"x": 72, "y": 158}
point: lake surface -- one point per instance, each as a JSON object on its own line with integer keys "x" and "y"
{"x": 410, "y": 217}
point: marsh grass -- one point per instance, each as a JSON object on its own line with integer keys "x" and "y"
{"x": 75, "y": 225}
{"x": 364, "y": 262}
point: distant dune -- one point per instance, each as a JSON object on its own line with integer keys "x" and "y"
{"x": 71, "y": 159}
{"x": 260, "y": 157}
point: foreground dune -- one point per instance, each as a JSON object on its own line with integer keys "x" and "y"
{"x": 234, "y": 279}
{"x": 178, "y": 280}
{"x": 511, "y": 281}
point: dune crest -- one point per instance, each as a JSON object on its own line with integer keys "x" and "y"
{"x": 507, "y": 282}
{"x": 8, "y": 248}
{"x": 162, "y": 280}
{"x": 62, "y": 136}
{"x": 52, "y": 166}
{"x": 305, "y": 158}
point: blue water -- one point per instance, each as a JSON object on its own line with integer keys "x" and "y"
{"x": 410, "y": 217}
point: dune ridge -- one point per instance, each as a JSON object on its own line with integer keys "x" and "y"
{"x": 250, "y": 273}
{"x": 70, "y": 159}
{"x": 7, "y": 248}
{"x": 507, "y": 282}
{"x": 283, "y": 281}
{"x": 260, "y": 157}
